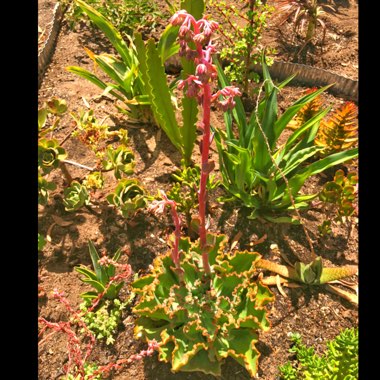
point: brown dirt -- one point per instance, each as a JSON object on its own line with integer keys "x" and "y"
{"x": 315, "y": 313}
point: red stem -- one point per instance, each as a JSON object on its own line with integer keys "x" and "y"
{"x": 204, "y": 174}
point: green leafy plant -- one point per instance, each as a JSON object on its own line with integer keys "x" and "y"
{"x": 128, "y": 197}
{"x": 339, "y": 131}
{"x": 99, "y": 278}
{"x": 49, "y": 155}
{"x": 125, "y": 15}
{"x": 75, "y": 196}
{"x": 44, "y": 187}
{"x": 340, "y": 196}
{"x": 93, "y": 181}
{"x": 339, "y": 361}
{"x": 199, "y": 302}
{"x": 201, "y": 320}
{"x": 105, "y": 321}
{"x": 243, "y": 42}
{"x": 253, "y": 167}
{"x": 89, "y": 370}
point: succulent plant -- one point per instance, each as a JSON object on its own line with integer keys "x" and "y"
{"x": 200, "y": 319}
{"x": 311, "y": 274}
{"x": 128, "y": 197}
{"x": 75, "y": 196}
{"x": 341, "y": 192}
{"x": 339, "y": 361}
{"x": 120, "y": 160}
{"x": 49, "y": 154}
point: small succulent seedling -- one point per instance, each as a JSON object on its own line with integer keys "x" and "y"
{"x": 99, "y": 278}
{"x": 120, "y": 160}
{"x": 128, "y": 197}
{"x": 185, "y": 190}
{"x": 341, "y": 194}
{"x": 49, "y": 155}
{"x": 75, "y": 196}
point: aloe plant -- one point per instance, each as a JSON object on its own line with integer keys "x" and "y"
{"x": 199, "y": 321}
{"x": 253, "y": 167}
{"x": 311, "y": 274}
{"x": 139, "y": 79}
{"x": 100, "y": 277}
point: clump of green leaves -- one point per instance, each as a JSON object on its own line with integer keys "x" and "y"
{"x": 339, "y": 361}
{"x": 128, "y": 197}
{"x": 217, "y": 316}
{"x": 105, "y": 320}
{"x": 125, "y": 15}
{"x": 259, "y": 172}
{"x": 93, "y": 181}
{"x": 185, "y": 190}
{"x": 243, "y": 38}
{"x": 89, "y": 370}
{"x": 75, "y": 196}
{"x": 99, "y": 278}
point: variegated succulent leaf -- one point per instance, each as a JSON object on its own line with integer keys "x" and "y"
{"x": 198, "y": 319}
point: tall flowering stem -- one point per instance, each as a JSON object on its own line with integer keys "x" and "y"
{"x": 158, "y": 207}
{"x": 195, "y": 44}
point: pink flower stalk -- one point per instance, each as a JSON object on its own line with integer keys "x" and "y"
{"x": 199, "y": 33}
{"x": 158, "y": 207}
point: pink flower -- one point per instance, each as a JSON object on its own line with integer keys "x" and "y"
{"x": 157, "y": 207}
{"x": 228, "y": 92}
{"x": 179, "y": 17}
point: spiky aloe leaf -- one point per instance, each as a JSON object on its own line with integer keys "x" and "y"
{"x": 312, "y": 274}
{"x": 200, "y": 320}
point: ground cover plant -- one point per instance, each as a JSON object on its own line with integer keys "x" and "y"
{"x": 147, "y": 268}
{"x": 340, "y": 361}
